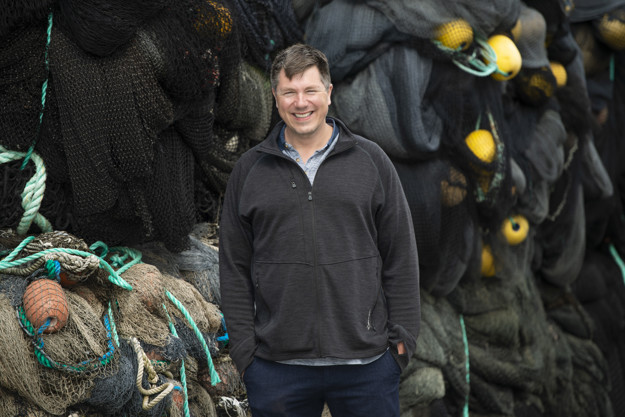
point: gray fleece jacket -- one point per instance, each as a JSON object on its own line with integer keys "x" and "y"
{"x": 328, "y": 270}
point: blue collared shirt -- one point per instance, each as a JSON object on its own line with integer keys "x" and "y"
{"x": 311, "y": 166}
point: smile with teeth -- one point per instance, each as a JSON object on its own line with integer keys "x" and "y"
{"x": 302, "y": 115}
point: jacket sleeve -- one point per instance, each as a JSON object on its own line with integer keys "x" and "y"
{"x": 400, "y": 263}
{"x": 235, "y": 260}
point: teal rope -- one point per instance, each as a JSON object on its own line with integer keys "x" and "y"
{"x": 465, "y": 410}
{"x": 19, "y": 248}
{"x": 113, "y": 325}
{"x": 32, "y": 194}
{"x": 119, "y": 261}
{"x": 44, "y": 89}
{"x": 45, "y": 360}
{"x": 183, "y": 372}
{"x": 113, "y": 277}
{"x": 213, "y": 373}
{"x": 618, "y": 260}
{"x": 477, "y": 66}
{"x": 54, "y": 269}
{"x": 612, "y": 68}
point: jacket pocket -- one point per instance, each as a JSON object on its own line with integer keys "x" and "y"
{"x": 353, "y": 314}
{"x": 285, "y": 308}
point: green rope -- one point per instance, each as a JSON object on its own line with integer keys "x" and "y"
{"x": 84, "y": 366}
{"x": 113, "y": 325}
{"x": 183, "y": 372}
{"x": 612, "y": 68}
{"x": 113, "y": 277}
{"x": 213, "y": 373}
{"x": 478, "y": 122}
{"x": 618, "y": 260}
{"x": 118, "y": 261}
{"x": 44, "y": 89}
{"x": 32, "y": 194}
{"x": 475, "y": 64}
{"x": 465, "y": 410}
{"x": 19, "y": 248}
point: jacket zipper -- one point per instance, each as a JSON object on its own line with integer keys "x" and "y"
{"x": 314, "y": 240}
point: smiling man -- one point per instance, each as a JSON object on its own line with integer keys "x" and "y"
{"x": 318, "y": 261}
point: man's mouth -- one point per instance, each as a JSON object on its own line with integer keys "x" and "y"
{"x": 302, "y": 115}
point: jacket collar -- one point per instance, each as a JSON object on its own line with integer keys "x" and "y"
{"x": 345, "y": 140}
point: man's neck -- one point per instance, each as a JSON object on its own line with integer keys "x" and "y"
{"x": 306, "y": 146}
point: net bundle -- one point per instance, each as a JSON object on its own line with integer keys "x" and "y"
{"x": 475, "y": 137}
{"x": 386, "y": 104}
{"x": 153, "y": 107}
{"x": 421, "y": 19}
{"x": 128, "y": 349}
{"x": 535, "y": 82}
{"x": 443, "y": 215}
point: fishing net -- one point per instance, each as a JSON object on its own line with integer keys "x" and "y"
{"x": 199, "y": 265}
{"x": 144, "y": 81}
{"x": 539, "y": 150}
{"x": 365, "y": 34}
{"x": 385, "y": 104}
{"x": 50, "y": 370}
{"x": 474, "y": 136}
{"x": 420, "y": 19}
{"x": 20, "y": 14}
{"x": 442, "y": 210}
{"x": 23, "y": 72}
{"x": 267, "y": 26}
{"x": 535, "y": 82}
{"x": 85, "y": 345}
{"x": 585, "y": 10}
{"x": 101, "y": 27}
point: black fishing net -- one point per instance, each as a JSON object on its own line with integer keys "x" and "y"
{"x": 386, "y": 104}
{"x": 442, "y": 211}
{"x": 21, "y": 76}
{"x": 267, "y": 26}
{"x": 101, "y": 27}
{"x": 474, "y": 136}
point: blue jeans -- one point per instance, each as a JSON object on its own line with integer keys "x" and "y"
{"x": 279, "y": 390}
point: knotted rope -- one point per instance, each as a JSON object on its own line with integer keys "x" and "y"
{"x": 143, "y": 362}
{"x": 33, "y": 192}
{"x": 7, "y": 263}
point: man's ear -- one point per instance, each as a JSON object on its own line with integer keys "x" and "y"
{"x": 275, "y": 99}
{"x": 330, "y": 94}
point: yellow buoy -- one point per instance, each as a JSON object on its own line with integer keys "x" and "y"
{"x": 559, "y": 72}
{"x": 508, "y": 57}
{"x": 482, "y": 144}
{"x": 488, "y": 262}
{"x": 515, "y": 229}
{"x": 457, "y": 34}
{"x": 612, "y": 31}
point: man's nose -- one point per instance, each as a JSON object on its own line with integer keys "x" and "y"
{"x": 300, "y": 99}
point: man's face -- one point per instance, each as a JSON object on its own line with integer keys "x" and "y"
{"x": 302, "y": 103}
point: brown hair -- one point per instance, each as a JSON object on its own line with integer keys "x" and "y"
{"x": 296, "y": 59}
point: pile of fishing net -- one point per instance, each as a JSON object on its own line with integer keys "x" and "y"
{"x": 96, "y": 331}
{"x": 138, "y": 110}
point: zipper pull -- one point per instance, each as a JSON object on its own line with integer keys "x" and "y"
{"x": 293, "y": 184}
{"x": 310, "y": 196}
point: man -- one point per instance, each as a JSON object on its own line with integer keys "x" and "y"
{"x": 318, "y": 260}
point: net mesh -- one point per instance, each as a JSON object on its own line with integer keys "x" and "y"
{"x": 77, "y": 342}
